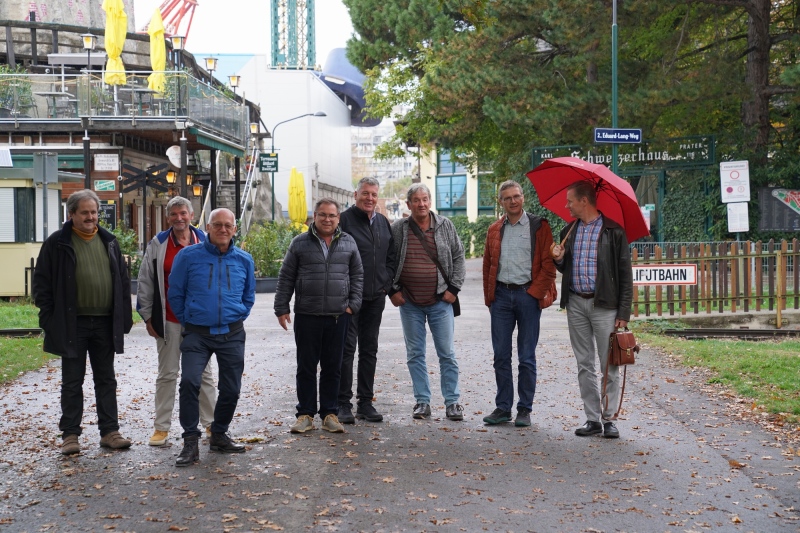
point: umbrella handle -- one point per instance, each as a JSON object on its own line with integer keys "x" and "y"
{"x": 552, "y": 246}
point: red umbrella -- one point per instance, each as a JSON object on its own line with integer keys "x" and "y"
{"x": 615, "y": 196}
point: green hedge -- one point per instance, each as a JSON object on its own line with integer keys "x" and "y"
{"x": 472, "y": 234}
{"x": 267, "y": 243}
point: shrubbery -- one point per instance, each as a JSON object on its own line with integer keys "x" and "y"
{"x": 267, "y": 242}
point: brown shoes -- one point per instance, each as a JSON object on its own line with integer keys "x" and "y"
{"x": 70, "y": 445}
{"x": 115, "y": 441}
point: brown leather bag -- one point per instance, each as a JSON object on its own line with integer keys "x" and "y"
{"x": 621, "y": 348}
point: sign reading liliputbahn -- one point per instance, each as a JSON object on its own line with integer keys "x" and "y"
{"x": 665, "y": 274}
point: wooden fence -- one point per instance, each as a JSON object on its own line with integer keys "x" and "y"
{"x": 731, "y": 277}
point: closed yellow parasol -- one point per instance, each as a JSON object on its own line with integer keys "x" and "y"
{"x": 158, "y": 52}
{"x": 116, "y": 32}
{"x": 298, "y": 209}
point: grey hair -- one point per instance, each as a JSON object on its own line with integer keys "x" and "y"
{"x": 327, "y": 200}
{"x": 415, "y": 188}
{"x": 507, "y": 185}
{"x": 369, "y": 180}
{"x": 219, "y": 210}
{"x": 180, "y": 201}
{"x": 78, "y": 196}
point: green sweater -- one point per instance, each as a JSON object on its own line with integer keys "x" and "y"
{"x": 92, "y": 276}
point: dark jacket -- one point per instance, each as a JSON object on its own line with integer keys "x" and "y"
{"x": 212, "y": 289}
{"x": 56, "y": 293}
{"x": 321, "y": 286}
{"x": 614, "y": 281}
{"x": 542, "y": 270}
{"x": 376, "y": 246}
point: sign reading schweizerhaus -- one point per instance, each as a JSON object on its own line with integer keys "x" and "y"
{"x": 665, "y": 274}
{"x": 678, "y": 152}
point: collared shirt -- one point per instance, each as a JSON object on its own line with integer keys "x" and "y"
{"x": 515, "y": 252}
{"x": 584, "y": 255}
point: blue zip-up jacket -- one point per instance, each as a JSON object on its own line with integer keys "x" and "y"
{"x": 212, "y": 289}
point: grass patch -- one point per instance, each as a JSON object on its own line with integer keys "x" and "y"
{"x": 18, "y": 356}
{"x": 767, "y": 371}
{"x": 20, "y": 314}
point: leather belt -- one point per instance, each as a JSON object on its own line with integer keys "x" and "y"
{"x": 585, "y": 295}
{"x": 513, "y": 287}
{"x": 206, "y": 330}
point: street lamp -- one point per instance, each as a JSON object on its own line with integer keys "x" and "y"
{"x": 233, "y": 81}
{"x": 272, "y": 150}
{"x": 89, "y": 42}
{"x": 178, "y": 41}
{"x": 211, "y": 66}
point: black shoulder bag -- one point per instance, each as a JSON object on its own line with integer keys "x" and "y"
{"x": 418, "y": 232}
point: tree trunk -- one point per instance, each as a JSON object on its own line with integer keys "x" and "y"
{"x": 755, "y": 111}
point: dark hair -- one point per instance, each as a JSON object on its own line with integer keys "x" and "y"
{"x": 584, "y": 189}
{"x": 327, "y": 200}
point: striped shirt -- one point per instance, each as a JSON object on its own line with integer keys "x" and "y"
{"x": 419, "y": 276}
{"x": 584, "y": 255}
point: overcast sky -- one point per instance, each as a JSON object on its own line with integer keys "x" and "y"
{"x": 243, "y": 26}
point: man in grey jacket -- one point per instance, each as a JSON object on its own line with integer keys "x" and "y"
{"x": 323, "y": 269}
{"x": 426, "y": 293}
{"x": 161, "y": 323}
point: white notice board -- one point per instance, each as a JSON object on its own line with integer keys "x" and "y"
{"x": 738, "y": 219}
{"x": 735, "y": 181}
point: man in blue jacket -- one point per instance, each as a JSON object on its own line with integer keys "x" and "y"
{"x": 211, "y": 292}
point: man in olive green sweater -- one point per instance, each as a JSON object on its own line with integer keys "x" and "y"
{"x": 82, "y": 289}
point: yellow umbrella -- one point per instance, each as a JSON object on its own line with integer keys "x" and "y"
{"x": 158, "y": 52}
{"x": 116, "y": 32}
{"x": 298, "y": 210}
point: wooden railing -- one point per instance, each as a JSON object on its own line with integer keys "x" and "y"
{"x": 731, "y": 277}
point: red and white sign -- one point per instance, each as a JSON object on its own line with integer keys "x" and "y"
{"x": 665, "y": 274}
{"x": 735, "y": 181}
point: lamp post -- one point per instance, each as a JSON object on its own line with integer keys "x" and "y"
{"x": 272, "y": 150}
{"x": 178, "y": 41}
{"x": 233, "y": 81}
{"x": 89, "y": 42}
{"x": 211, "y": 66}
{"x": 614, "y": 147}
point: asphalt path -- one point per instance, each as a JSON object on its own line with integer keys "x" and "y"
{"x": 686, "y": 460}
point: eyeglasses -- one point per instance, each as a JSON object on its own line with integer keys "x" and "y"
{"x": 221, "y": 225}
{"x": 326, "y": 215}
{"x": 516, "y": 198}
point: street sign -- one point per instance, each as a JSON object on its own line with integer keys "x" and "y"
{"x": 735, "y": 181}
{"x": 618, "y": 135}
{"x": 268, "y": 162}
{"x": 665, "y": 274}
{"x": 108, "y": 214}
{"x": 738, "y": 218}
{"x": 105, "y": 185}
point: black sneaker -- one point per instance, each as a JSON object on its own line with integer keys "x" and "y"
{"x": 523, "y": 417}
{"x": 222, "y": 442}
{"x": 367, "y": 412}
{"x": 589, "y": 428}
{"x": 498, "y": 416}
{"x": 422, "y": 410}
{"x": 454, "y": 412}
{"x": 610, "y": 431}
{"x": 345, "y": 415}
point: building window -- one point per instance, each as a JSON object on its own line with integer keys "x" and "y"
{"x": 451, "y": 185}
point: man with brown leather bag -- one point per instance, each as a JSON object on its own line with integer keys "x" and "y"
{"x": 596, "y": 290}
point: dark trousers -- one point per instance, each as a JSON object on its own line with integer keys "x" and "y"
{"x": 320, "y": 341}
{"x": 363, "y": 331}
{"x": 196, "y": 350}
{"x": 95, "y": 335}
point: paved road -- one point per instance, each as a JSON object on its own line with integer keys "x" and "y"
{"x": 671, "y": 470}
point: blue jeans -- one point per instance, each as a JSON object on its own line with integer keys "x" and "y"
{"x": 196, "y": 350}
{"x": 440, "y": 320}
{"x": 514, "y": 308}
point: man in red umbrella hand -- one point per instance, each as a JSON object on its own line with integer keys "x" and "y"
{"x": 596, "y": 290}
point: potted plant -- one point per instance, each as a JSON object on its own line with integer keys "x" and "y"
{"x": 267, "y": 242}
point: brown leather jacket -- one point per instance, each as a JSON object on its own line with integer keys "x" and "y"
{"x": 543, "y": 271}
